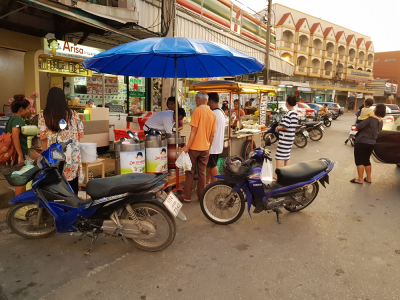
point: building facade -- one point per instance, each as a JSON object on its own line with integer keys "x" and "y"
{"x": 331, "y": 62}
{"x": 387, "y": 69}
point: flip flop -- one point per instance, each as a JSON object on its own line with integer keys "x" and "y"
{"x": 186, "y": 200}
{"x": 365, "y": 179}
{"x": 354, "y": 181}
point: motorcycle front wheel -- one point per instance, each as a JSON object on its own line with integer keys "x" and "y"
{"x": 316, "y": 134}
{"x": 211, "y": 203}
{"x": 30, "y": 222}
{"x": 327, "y": 123}
{"x": 300, "y": 140}
{"x": 161, "y": 219}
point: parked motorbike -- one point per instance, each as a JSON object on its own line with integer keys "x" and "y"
{"x": 300, "y": 139}
{"x": 327, "y": 120}
{"x": 132, "y": 207}
{"x": 352, "y": 135}
{"x": 315, "y": 130}
{"x": 223, "y": 201}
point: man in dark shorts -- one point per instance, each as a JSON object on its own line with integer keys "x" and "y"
{"x": 218, "y": 143}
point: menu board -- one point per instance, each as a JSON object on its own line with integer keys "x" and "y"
{"x": 61, "y": 66}
{"x": 263, "y": 109}
{"x": 95, "y": 85}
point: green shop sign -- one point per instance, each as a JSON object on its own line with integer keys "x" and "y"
{"x": 137, "y": 94}
{"x": 135, "y": 80}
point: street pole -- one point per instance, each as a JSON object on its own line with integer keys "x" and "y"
{"x": 268, "y": 41}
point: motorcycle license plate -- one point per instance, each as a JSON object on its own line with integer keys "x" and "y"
{"x": 322, "y": 128}
{"x": 330, "y": 119}
{"x": 353, "y": 132}
{"x": 173, "y": 204}
{"x": 306, "y": 133}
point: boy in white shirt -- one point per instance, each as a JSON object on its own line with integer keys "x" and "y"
{"x": 218, "y": 143}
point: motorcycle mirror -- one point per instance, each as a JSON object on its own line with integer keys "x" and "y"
{"x": 268, "y": 141}
{"x": 62, "y": 124}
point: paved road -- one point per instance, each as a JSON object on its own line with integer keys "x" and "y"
{"x": 344, "y": 246}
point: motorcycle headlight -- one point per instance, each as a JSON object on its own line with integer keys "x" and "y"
{"x": 57, "y": 154}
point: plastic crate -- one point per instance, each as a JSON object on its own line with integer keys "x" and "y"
{"x": 121, "y": 133}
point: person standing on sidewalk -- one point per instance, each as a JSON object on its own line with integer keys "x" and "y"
{"x": 203, "y": 126}
{"x": 218, "y": 143}
{"x": 286, "y": 130}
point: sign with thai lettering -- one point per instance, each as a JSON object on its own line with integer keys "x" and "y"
{"x": 358, "y": 75}
{"x": 68, "y": 49}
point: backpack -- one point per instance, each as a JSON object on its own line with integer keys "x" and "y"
{"x": 7, "y": 149}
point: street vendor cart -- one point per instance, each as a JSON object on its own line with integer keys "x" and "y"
{"x": 248, "y": 134}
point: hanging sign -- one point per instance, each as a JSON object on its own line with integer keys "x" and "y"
{"x": 55, "y": 47}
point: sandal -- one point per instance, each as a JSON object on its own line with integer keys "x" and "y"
{"x": 186, "y": 200}
{"x": 365, "y": 179}
{"x": 354, "y": 181}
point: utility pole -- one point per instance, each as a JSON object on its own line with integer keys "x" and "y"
{"x": 268, "y": 40}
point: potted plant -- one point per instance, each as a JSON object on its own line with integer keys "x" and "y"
{"x": 346, "y": 108}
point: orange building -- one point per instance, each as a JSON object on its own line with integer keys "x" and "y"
{"x": 387, "y": 66}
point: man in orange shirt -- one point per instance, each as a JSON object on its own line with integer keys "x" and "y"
{"x": 203, "y": 125}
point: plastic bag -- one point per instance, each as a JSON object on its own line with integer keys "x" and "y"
{"x": 184, "y": 162}
{"x": 267, "y": 172}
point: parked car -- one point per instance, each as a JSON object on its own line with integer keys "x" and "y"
{"x": 308, "y": 110}
{"x": 388, "y": 110}
{"x": 315, "y": 107}
{"x": 394, "y": 109}
{"x": 334, "y": 108}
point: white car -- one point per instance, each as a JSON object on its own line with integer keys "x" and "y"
{"x": 282, "y": 106}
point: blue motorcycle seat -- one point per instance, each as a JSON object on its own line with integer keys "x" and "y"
{"x": 299, "y": 172}
{"x": 127, "y": 183}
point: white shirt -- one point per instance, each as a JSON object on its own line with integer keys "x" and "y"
{"x": 218, "y": 143}
{"x": 163, "y": 121}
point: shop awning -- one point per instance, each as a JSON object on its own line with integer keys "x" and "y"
{"x": 222, "y": 86}
{"x": 76, "y": 15}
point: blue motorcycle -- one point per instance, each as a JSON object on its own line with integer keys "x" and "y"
{"x": 223, "y": 201}
{"x": 132, "y": 207}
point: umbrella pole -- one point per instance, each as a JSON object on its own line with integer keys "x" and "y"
{"x": 177, "y": 187}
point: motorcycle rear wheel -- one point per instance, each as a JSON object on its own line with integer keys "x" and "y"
{"x": 300, "y": 140}
{"x": 316, "y": 134}
{"x": 311, "y": 194}
{"x": 213, "y": 195}
{"x": 154, "y": 214}
{"x": 22, "y": 218}
{"x": 327, "y": 123}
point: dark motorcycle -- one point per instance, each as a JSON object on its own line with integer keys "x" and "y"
{"x": 352, "y": 135}
{"x": 300, "y": 139}
{"x": 315, "y": 130}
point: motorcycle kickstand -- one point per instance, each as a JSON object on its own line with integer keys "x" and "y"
{"x": 278, "y": 212}
{"x": 94, "y": 238}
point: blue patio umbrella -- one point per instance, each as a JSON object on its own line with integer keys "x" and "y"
{"x": 173, "y": 57}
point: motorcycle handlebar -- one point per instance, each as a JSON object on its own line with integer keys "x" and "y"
{"x": 64, "y": 145}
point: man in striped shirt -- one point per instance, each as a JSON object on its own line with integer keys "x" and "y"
{"x": 286, "y": 130}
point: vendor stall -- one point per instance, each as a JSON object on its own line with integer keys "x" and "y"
{"x": 246, "y": 131}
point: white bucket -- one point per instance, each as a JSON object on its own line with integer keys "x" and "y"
{"x": 88, "y": 152}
